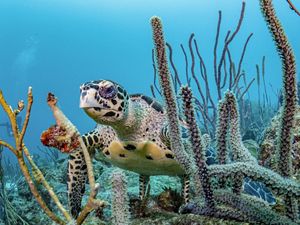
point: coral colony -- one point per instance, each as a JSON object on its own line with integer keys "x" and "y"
{"x": 218, "y": 187}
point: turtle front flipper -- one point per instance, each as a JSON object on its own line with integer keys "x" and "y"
{"x": 77, "y": 176}
{"x": 77, "y": 170}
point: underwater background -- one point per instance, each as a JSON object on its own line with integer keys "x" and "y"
{"x": 55, "y": 46}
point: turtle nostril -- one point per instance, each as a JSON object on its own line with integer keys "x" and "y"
{"x": 83, "y": 94}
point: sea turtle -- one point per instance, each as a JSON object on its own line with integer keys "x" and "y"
{"x": 132, "y": 133}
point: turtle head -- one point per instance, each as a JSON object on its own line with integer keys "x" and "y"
{"x": 104, "y": 101}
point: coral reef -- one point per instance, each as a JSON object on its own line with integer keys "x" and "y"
{"x": 20, "y": 150}
{"x": 244, "y": 163}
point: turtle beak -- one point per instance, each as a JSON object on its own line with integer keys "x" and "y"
{"x": 87, "y": 99}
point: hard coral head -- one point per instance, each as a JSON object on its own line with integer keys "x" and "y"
{"x": 104, "y": 101}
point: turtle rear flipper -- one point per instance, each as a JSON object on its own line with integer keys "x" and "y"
{"x": 77, "y": 176}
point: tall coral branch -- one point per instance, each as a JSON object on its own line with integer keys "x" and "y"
{"x": 197, "y": 146}
{"x": 221, "y": 137}
{"x": 290, "y": 98}
{"x": 168, "y": 94}
{"x": 120, "y": 203}
{"x": 239, "y": 151}
{"x": 26, "y": 121}
{"x": 289, "y": 86}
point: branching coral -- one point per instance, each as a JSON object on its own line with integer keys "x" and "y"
{"x": 37, "y": 177}
{"x": 289, "y": 85}
{"x": 244, "y": 164}
{"x": 169, "y": 95}
{"x": 63, "y": 122}
{"x": 284, "y": 148}
{"x": 221, "y": 136}
{"x": 19, "y": 150}
{"x": 197, "y": 146}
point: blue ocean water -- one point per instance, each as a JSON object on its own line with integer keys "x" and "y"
{"x": 57, "y": 45}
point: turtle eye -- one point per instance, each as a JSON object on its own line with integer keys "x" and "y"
{"x": 108, "y": 92}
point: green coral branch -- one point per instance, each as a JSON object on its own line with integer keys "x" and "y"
{"x": 240, "y": 208}
{"x": 284, "y": 147}
{"x": 169, "y": 96}
{"x": 239, "y": 151}
{"x": 270, "y": 178}
{"x": 256, "y": 211}
{"x": 289, "y": 87}
{"x": 222, "y": 136}
{"x": 120, "y": 202}
{"x": 197, "y": 146}
{"x": 221, "y": 133}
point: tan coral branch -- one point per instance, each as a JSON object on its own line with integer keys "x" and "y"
{"x": 19, "y": 153}
{"x": 39, "y": 177}
{"x": 11, "y": 148}
{"x": 29, "y": 105}
{"x": 11, "y": 115}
